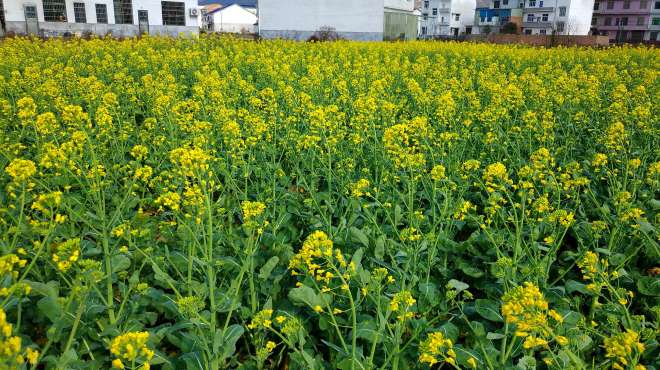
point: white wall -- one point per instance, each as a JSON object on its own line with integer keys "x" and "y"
{"x": 360, "y": 19}
{"x": 234, "y": 18}
{"x": 14, "y": 10}
{"x": 579, "y": 16}
{"x": 408, "y": 5}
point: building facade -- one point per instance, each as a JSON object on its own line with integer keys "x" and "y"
{"x": 231, "y": 19}
{"x": 301, "y": 19}
{"x": 627, "y": 20}
{"x": 120, "y": 18}
{"x": 560, "y": 17}
{"x": 492, "y": 15}
{"x": 400, "y": 20}
{"x": 446, "y": 18}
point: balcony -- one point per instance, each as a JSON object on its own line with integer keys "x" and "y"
{"x": 545, "y": 9}
{"x": 536, "y": 24}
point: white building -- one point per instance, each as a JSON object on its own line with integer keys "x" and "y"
{"x": 118, "y": 17}
{"x": 233, "y": 18}
{"x": 561, "y": 17}
{"x": 442, "y": 18}
{"x": 301, "y": 19}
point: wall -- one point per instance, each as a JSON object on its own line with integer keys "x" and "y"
{"x": 579, "y": 14}
{"x": 407, "y": 5}
{"x": 541, "y": 40}
{"x": 300, "y": 19}
{"x": 15, "y": 17}
{"x": 400, "y": 25}
{"x": 234, "y": 19}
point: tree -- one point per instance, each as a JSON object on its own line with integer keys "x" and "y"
{"x": 510, "y": 28}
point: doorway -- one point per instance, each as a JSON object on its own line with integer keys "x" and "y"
{"x": 143, "y": 22}
{"x": 31, "y": 21}
{"x": 3, "y": 26}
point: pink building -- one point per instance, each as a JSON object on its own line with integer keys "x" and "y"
{"x": 626, "y": 20}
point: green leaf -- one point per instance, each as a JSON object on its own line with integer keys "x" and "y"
{"x": 50, "y": 307}
{"x": 649, "y": 285}
{"x": 458, "y": 285}
{"x": 227, "y": 340}
{"x": 450, "y": 330}
{"x": 367, "y": 330}
{"x": 488, "y": 309}
{"x": 305, "y": 296}
{"x": 379, "y": 250}
{"x": 527, "y": 363}
{"x": 575, "y": 286}
{"x": 267, "y": 268}
{"x": 120, "y": 263}
{"x": 358, "y": 235}
{"x": 494, "y": 336}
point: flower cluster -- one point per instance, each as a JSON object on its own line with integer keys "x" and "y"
{"x": 131, "y": 348}
{"x": 436, "y": 349}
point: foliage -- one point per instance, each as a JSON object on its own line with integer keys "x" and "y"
{"x": 214, "y": 203}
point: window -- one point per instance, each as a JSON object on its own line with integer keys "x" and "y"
{"x": 624, "y": 21}
{"x": 442, "y": 19}
{"x": 643, "y": 4}
{"x": 496, "y": 4}
{"x": 123, "y": 11}
{"x": 594, "y": 21}
{"x": 457, "y": 17}
{"x": 657, "y": 5}
{"x": 30, "y": 12}
{"x": 79, "y": 12}
{"x": 640, "y": 21}
{"x": 544, "y": 17}
{"x": 655, "y": 21}
{"x": 626, "y": 4}
{"x": 505, "y": 2}
{"x": 528, "y": 32}
{"x": 530, "y": 17}
{"x": 654, "y": 35}
{"x": 54, "y": 11}
{"x": 423, "y": 30}
{"x": 542, "y": 32}
{"x": 562, "y": 11}
{"x": 532, "y": 3}
{"x": 101, "y": 13}
{"x": 435, "y": 11}
{"x": 426, "y": 17}
{"x": 541, "y": 4}
{"x": 608, "y": 21}
{"x": 426, "y": 5}
{"x": 596, "y": 5}
{"x": 610, "y": 4}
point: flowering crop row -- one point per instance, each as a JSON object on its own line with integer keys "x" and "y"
{"x": 213, "y": 203}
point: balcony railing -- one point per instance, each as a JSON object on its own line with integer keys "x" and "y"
{"x": 537, "y": 24}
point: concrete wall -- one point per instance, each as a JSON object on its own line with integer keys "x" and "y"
{"x": 400, "y": 25}
{"x": 407, "y": 5}
{"x": 543, "y": 40}
{"x": 580, "y": 13}
{"x": 15, "y": 19}
{"x": 300, "y": 19}
{"x": 234, "y": 18}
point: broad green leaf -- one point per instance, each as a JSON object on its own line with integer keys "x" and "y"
{"x": 488, "y": 309}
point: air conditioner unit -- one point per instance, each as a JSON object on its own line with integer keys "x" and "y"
{"x": 194, "y": 12}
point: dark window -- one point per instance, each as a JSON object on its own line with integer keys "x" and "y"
{"x": 30, "y": 12}
{"x": 657, "y": 5}
{"x": 532, "y": 3}
{"x": 562, "y": 11}
{"x": 426, "y": 4}
{"x": 530, "y": 17}
{"x": 596, "y": 5}
{"x": 496, "y": 4}
{"x": 79, "y": 12}
{"x": 101, "y": 13}
{"x": 643, "y": 4}
{"x": 505, "y": 2}
{"x": 435, "y": 11}
{"x": 624, "y": 21}
{"x": 654, "y": 35}
{"x": 626, "y": 4}
{"x": 423, "y": 30}
{"x": 123, "y": 11}
{"x": 174, "y": 13}
{"x": 594, "y": 21}
{"x": 544, "y": 17}
{"x": 528, "y": 32}
{"x": 54, "y": 11}
{"x": 542, "y": 32}
{"x": 640, "y": 21}
{"x": 541, "y": 4}
{"x": 608, "y": 21}
{"x": 610, "y": 4}
{"x": 2, "y": 16}
{"x": 656, "y": 21}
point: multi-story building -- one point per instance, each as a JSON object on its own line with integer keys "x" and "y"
{"x": 442, "y": 18}
{"x": 534, "y": 17}
{"x": 118, "y": 17}
{"x": 492, "y": 15}
{"x": 561, "y": 17}
{"x": 626, "y": 20}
